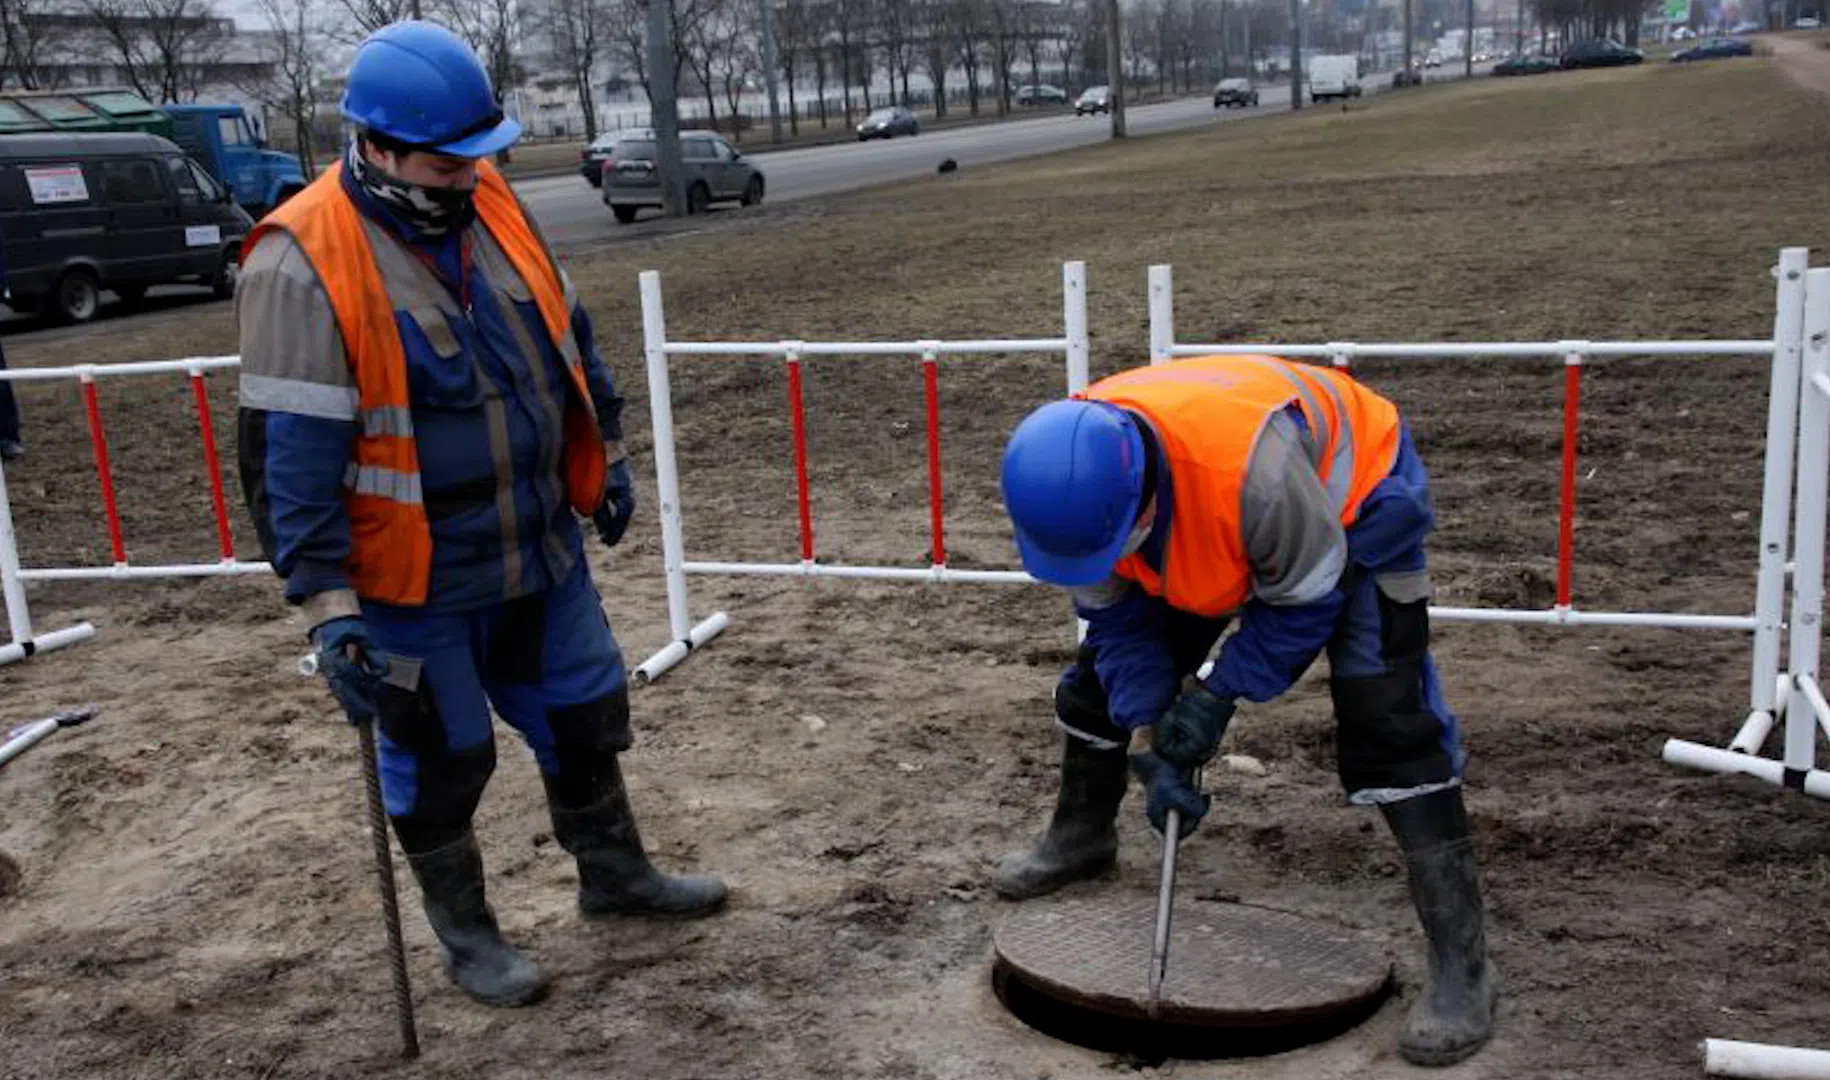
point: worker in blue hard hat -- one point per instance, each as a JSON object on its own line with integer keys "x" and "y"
{"x": 1175, "y": 499}
{"x": 424, "y": 419}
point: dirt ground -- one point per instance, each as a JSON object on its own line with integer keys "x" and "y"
{"x": 192, "y": 894}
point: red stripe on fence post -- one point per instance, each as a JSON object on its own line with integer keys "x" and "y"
{"x": 930, "y": 373}
{"x": 1566, "y": 512}
{"x": 800, "y": 455}
{"x": 100, "y": 442}
{"x": 225, "y": 540}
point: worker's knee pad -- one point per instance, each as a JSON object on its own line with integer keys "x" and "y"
{"x": 1390, "y": 734}
{"x": 1080, "y": 706}
{"x": 586, "y": 739}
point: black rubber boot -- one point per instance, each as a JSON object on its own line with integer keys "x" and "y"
{"x": 475, "y": 956}
{"x": 1082, "y": 839}
{"x": 1453, "y": 1017}
{"x": 614, "y": 874}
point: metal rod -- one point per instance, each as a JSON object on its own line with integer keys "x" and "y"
{"x": 798, "y": 415}
{"x": 98, "y": 440}
{"x": 1165, "y": 904}
{"x": 390, "y": 902}
{"x": 1566, "y": 503}
{"x": 225, "y": 539}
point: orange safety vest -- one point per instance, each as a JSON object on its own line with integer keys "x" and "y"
{"x": 390, "y": 539}
{"x": 1207, "y": 413}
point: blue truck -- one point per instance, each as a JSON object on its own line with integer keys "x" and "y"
{"x": 221, "y": 138}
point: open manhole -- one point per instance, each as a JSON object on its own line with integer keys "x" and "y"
{"x": 1242, "y": 980}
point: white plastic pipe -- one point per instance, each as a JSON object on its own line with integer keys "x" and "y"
{"x": 129, "y": 571}
{"x": 138, "y": 367}
{"x": 12, "y": 588}
{"x": 861, "y": 348}
{"x": 670, "y": 655}
{"x": 1485, "y": 349}
{"x": 666, "y": 470}
{"x": 1776, "y": 495}
{"x": 1161, "y": 280}
{"x": 1814, "y": 695}
{"x": 937, "y": 574}
{"x": 31, "y": 734}
{"x": 1805, "y": 628}
{"x": 1759, "y": 1061}
{"x": 1074, "y": 318}
{"x": 1753, "y": 733}
{"x": 44, "y": 643}
{"x": 1714, "y": 759}
{"x": 1572, "y": 617}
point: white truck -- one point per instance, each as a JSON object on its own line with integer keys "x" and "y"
{"x": 1333, "y": 77}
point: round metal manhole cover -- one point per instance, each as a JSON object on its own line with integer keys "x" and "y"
{"x": 1230, "y": 965}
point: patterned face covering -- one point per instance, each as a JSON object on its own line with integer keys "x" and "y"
{"x": 429, "y": 211}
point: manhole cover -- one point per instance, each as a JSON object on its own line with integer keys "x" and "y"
{"x": 1230, "y": 965}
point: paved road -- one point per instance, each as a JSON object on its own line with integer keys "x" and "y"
{"x": 570, "y": 211}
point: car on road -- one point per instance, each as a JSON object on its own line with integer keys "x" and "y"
{"x": 1094, "y": 99}
{"x": 1713, "y": 49}
{"x": 87, "y": 212}
{"x": 1041, "y": 95}
{"x": 1599, "y": 52}
{"x": 715, "y": 172}
{"x": 1336, "y": 76}
{"x": 591, "y": 157}
{"x": 1231, "y": 92}
{"x": 1807, "y": 22}
{"x": 1528, "y": 64}
{"x": 887, "y": 123}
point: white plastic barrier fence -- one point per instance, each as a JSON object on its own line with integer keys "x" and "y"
{"x": 688, "y": 635}
{"x": 13, "y": 577}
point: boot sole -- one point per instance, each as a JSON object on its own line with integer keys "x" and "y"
{"x": 651, "y": 913}
{"x": 1057, "y": 882}
{"x": 503, "y": 1001}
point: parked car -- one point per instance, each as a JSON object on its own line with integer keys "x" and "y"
{"x": 715, "y": 172}
{"x": 1747, "y": 26}
{"x": 1527, "y": 64}
{"x": 1713, "y": 49}
{"x": 1600, "y": 52}
{"x": 591, "y": 158}
{"x": 1231, "y": 92}
{"x": 888, "y": 123}
{"x": 1094, "y": 99}
{"x": 83, "y": 213}
{"x": 1041, "y": 95}
{"x": 1433, "y": 58}
{"x": 1807, "y": 22}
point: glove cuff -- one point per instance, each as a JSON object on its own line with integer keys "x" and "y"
{"x": 320, "y": 608}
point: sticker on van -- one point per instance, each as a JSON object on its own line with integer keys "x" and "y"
{"x": 57, "y": 184}
{"x": 202, "y": 235}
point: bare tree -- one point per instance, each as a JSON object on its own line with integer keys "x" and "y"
{"x": 163, "y": 46}
{"x": 489, "y": 26}
{"x": 293, "y": 49}
{"x": 934, "y": 28}
{"x": 794, "y": 41}
{"x": 29, "y": 29}
{"x": 1005, "y": 27}
{"x": 737, "y": 56}
{"x": 1073, "y": 30}
{"x": 845, "y": 15}
{"x": 368, "y": 16}
{"x": 895, "y": 33}
{"x": 576, "y": 31}
{"x": 970, "y": 25}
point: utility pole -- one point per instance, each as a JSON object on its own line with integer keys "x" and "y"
{"x": 1518, "y": 30}
{"x": 1467, "y": 45}
{"x": 1296, "y": 54}
{"x": 1115, "y": 71}
{"x": 662, "y": 104}
{"x": 768, "y": 45}
{"x": 1410, "y": 70}
{"x": 1245, "y": 10}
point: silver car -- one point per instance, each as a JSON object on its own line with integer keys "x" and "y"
{"x": 715, "y": 172}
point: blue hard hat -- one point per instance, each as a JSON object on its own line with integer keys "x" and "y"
{"x": 1073, "y": 479}
{"x": 418, "y": 83}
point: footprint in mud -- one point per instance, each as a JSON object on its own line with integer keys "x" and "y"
{"x": 10, "y": 876}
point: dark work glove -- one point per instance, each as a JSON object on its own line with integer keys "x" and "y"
{"x": 1188, "y": 733}
{"x": 350, "y": 664}
{"x": 1169, "y": 787}
{"x": 612, "y": 518}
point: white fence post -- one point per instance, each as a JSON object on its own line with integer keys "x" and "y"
{"x": 1776, "y": 498}
{"x": 18, "y": 618}
{"x": 1162, "y": 313}
{"x": 1074, "y": 311}
{"x": 1808, "y": 547}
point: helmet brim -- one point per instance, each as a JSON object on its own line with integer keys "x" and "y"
{"x": 1076, "y": 571}
{"x": 483, "y": 143}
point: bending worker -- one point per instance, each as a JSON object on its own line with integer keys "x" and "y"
{"x": 423, "y": 412}
{"x": 1172, "y": 498}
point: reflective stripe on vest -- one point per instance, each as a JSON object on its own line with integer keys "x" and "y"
{"x": 390, "y": 539}
{"x": 1208, "y": 414}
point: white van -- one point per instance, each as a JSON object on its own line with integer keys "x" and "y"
{"x": 1333, "y": 77}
